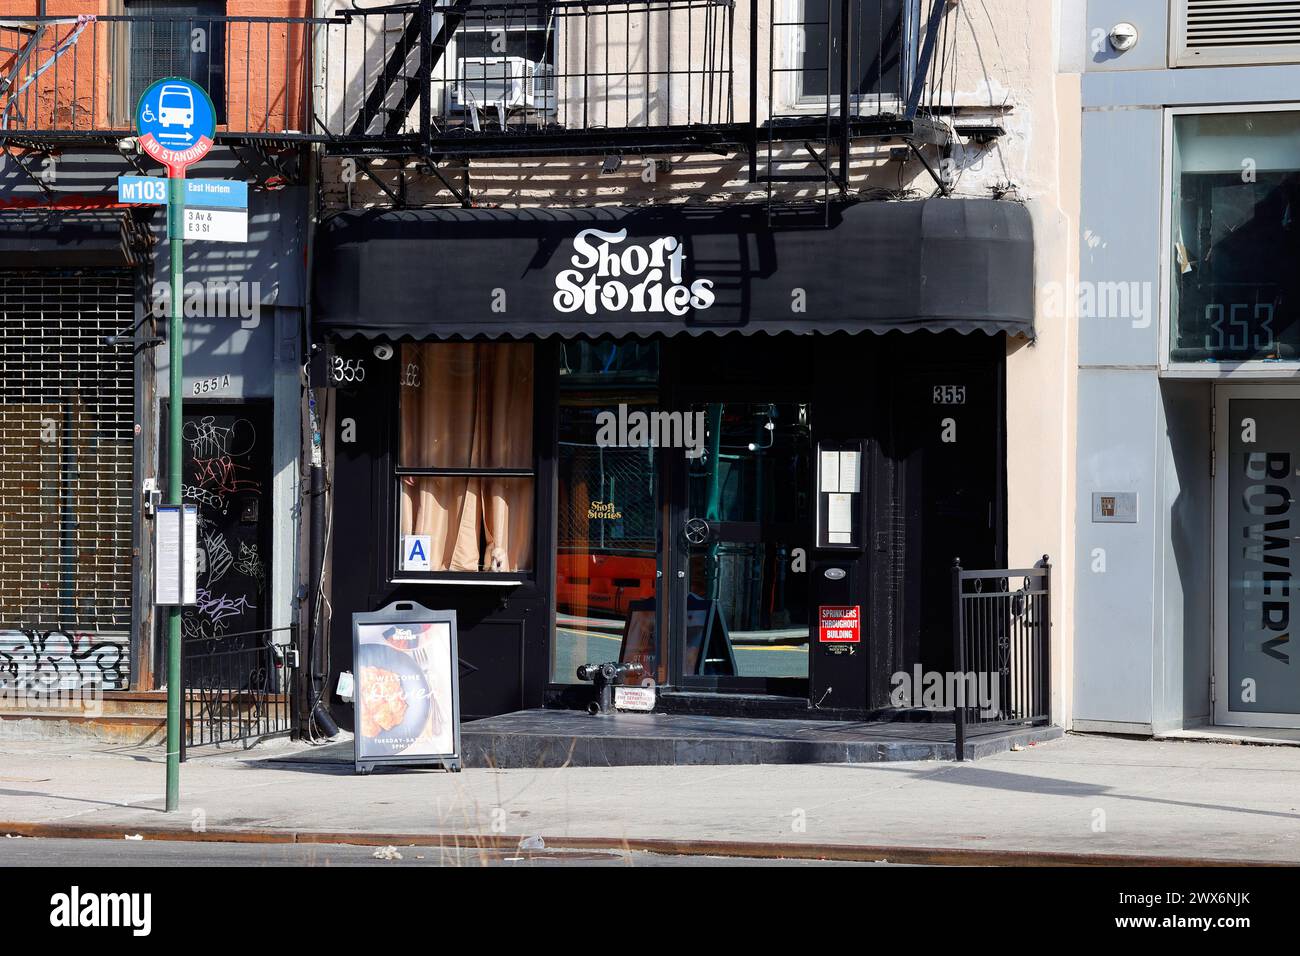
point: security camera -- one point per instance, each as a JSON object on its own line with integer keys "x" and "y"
{"x": 383, "y": 351}
{"x": 1123, "y": 37}
{"x": 127, "y": 145}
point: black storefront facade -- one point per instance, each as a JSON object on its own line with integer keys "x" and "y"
{"x": 687, "y": 437}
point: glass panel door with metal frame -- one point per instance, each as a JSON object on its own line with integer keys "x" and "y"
{"x": 742, "y": 614}
{"x": 608, "y": 535}
{"x": 1257, "y": 527}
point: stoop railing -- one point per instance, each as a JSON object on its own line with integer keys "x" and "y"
{"x": 238, "y": 687}
{"x": 1002, "y": 625}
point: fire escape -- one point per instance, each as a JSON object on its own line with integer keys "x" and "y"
{"x": 797, "y": 85}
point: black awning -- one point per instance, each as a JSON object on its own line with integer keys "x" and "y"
{"x": 964, "y": 264}
{"x": 37, "y": 237}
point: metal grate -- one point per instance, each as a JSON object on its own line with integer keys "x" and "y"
{"x": 1235, "y": 31}
{"x": 66, "y": 442}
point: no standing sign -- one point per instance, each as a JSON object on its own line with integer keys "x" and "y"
{"x": 175, "y": 122}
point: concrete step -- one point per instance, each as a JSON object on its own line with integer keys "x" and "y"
{"x": 110, "y": 703}
{"x": 38, "y": 724}
{"x": 566, "y": 738}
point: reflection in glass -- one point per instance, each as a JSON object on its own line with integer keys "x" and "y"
{"x": 1235, "y": 240}
{"x": 607, "y": 532}
{"x": 749, "y": 615}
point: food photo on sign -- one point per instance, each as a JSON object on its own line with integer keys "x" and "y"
{"x": 405, "y": 695}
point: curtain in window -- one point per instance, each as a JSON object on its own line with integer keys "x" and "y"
{"x": 506, "y": 391}
{"x": 468, "y": 406}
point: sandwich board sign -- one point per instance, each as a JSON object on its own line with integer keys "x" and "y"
{"x": 407, "y": 696}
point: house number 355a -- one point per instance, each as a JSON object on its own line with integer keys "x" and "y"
{"x": 349, "y": 370}
{"x": 217, "y": 383}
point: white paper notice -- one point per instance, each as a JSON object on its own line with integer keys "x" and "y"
{"x": 167, "y": 555}
{"x": 850, "y": 473}
{"x": 190, "y": 542}
{"x": 830, "y": 470}
{"x": 839, "y": 519}
{"x": 175, "y": 580}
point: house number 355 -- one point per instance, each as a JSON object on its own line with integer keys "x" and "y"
{"x": 349, "y": 370}
{"x": 217, "y": 383}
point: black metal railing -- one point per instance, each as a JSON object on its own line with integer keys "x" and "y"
{"x": 237, "y": 687}
{"x": 78, "y": 78}
{"x": 512, "y": 76}
{"x": 1002, "y": 623}
{"x": 489, "y": 77}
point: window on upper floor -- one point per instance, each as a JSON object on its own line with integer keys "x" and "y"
{"x": 186, "y": 39}
{"x": 874, "y": 51}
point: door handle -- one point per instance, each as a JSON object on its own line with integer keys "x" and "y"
{"x": 696, "y": 530}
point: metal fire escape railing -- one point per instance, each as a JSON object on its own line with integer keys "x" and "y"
{"x": 456, "y": 79}
{"x": 77, "y": 79}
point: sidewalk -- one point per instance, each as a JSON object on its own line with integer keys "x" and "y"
{"x": 1078, "y": 795}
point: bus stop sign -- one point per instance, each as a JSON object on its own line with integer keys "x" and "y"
{"x": 175, "y": 122}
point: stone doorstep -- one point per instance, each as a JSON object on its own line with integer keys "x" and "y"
{"x": 530, "y": 750}
{"x": 48, "y": 724}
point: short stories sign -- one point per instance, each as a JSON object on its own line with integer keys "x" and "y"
{"x": 839, "y": 624}
{"x": 612, "y": 274}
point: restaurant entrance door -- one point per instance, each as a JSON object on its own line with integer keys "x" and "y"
{"x": 741, "y": 533}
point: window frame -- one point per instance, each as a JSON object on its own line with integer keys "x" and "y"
{"x": 219, "y": 94}
{"x": 446, "y": 107}
{"x": 1245, "y": 369}
{"x": 394, "y": 472}
{"x": 789, "y": 97}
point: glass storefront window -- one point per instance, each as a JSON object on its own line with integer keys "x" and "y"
{"x": 607, "y": 526}
{"x": 465, "y": 459}
{"x": 1236, "y": 237}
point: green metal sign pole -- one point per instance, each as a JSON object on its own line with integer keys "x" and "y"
{"x": 175, "y": 124}
{"x": 175, "y": 424}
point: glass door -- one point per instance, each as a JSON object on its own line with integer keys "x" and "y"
{"x": 608, "y": 527}
{"x": 742, "y": 542}
{"x": 1257, "y": 668}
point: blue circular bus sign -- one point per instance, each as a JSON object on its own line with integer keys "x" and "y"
{"x": 175, "y": 122}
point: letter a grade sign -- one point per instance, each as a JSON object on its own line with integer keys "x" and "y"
{"x": 176, "y": 122}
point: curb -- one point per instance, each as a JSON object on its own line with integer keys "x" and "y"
{"x": 912, "y": 855}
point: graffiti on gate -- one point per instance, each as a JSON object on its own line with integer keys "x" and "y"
{"x": 33, "y": 660}
{"x": 250, "y": 565}
{"x": 220, "y": 475}
{"x": 207, "y": 438}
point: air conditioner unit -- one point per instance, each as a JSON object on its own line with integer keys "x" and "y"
{"x": 1234, "y": 32}
{"x": 503, "y": 83}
